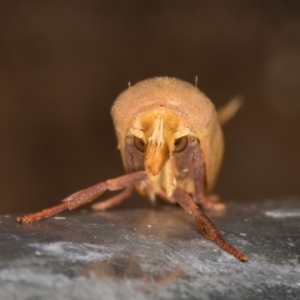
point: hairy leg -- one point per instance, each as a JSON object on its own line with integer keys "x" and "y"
{"x": 205, "y": 224}
{"x": 87, "y": 195}
{"x": 103, "y": 205}
{"x": 208, "y": 202}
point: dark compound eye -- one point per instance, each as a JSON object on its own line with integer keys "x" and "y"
{"x": 139, "y": 144}
{"x": 180, "y": 144}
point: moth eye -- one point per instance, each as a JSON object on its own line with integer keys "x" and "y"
{"x": 180, "y": 144}
{"x": 139, "y": 144}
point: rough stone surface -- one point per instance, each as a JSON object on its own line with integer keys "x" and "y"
{"x": 152, "y": 254}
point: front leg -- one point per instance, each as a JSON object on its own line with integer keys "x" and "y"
{"x": 115, "y": 200}
{"x": 208, "y": 202}
{"x": 205, "y": 224}
{"x": 87, "y": 195}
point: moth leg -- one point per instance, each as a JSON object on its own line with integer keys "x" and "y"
{"x": 213, "y": 198}
{"x": 87, "y": 195}
{"x": 103, "y": 205}
{"x": 208, "y": 202}
{"x": 205, "y": 224}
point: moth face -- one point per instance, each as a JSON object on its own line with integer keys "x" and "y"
{"x": 159, "y": 135}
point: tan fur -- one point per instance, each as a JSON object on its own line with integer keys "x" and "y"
{"x": 184, "y": 109}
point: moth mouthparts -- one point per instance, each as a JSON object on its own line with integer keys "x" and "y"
{"x": 156, "y": 155}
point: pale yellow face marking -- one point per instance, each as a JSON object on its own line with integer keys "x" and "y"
{"x": 157, "y": 136}
{"x": 158, "y": 129}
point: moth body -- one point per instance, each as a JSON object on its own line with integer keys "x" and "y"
{"x": 160, "y": 112}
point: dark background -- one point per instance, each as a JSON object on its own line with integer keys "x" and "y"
{"x": 62, "y": 64}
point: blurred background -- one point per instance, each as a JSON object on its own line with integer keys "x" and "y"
{"x": 62, "y": 64}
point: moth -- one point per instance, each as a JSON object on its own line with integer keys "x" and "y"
{"x": 171, "y": 144}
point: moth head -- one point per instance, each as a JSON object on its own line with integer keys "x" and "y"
{"x": 159, "y": 135}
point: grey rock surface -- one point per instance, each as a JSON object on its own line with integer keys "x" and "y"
{"x": 153, "y": 254}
